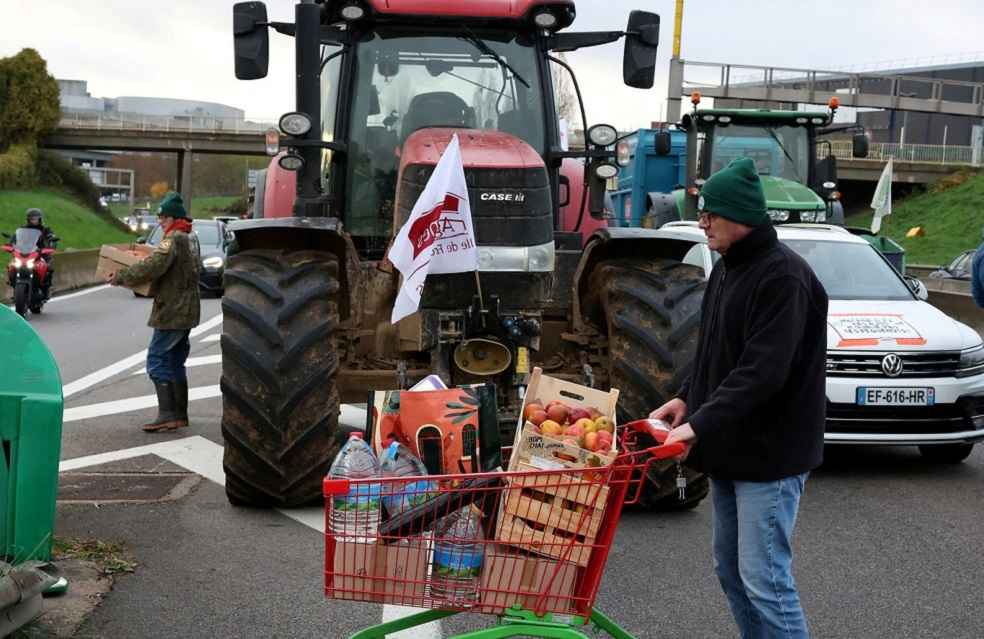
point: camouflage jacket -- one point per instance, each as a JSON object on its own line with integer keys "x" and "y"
{"x": 173, "y": 267}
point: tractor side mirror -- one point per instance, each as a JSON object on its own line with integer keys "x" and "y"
{"x": 826, "y": 172}
{"x": 859, "y": 145}
{"x": 664, "y": 143}
{"x": 641, "y": 43}
{"x": 251, "y": 40}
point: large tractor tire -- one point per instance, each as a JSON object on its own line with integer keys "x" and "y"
{"x": 280, "y": 406}
{"x": 651, "y": 311}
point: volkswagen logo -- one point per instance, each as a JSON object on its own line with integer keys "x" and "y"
{"x": 892, "y": 365}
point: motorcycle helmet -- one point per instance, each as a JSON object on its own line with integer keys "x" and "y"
{"x": 35, "y": 214}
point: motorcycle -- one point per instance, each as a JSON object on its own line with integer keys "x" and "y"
{"x": 27, "y": 271}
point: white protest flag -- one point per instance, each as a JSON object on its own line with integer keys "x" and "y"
{"x": 882, "y": 200}
{"x": 438, "y": 237}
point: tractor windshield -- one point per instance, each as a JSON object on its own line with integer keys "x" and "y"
{"x": 781, "y": 151}
{"x": 404, "y": 82}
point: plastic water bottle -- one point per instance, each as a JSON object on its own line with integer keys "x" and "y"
{"x": 355, "y": 516}
{"x": 399, "y": 461}
{"x": 458, "y": 555}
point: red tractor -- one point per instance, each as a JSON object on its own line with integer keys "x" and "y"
{"x": 382, "y": 85}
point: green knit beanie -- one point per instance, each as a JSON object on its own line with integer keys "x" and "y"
{"x": 172, "y": 205}
{"x": 735, "y": 192}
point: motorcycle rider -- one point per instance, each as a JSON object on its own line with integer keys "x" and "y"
{"x": 35, "y": 220}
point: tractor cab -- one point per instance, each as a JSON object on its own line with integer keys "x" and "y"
{"x": 783, "y": 144}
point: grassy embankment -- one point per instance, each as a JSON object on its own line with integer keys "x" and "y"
{"x": 77, "y": 226}
{"x": 950, "y": 212}
{"x": 201, "y": 207}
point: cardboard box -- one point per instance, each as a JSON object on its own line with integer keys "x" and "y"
{"x": 112, "y": 259}
{"x": 512, "y": 578}
{"x": 395, "y": 573}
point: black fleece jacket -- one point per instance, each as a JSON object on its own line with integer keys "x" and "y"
{"x": 756, "y": 398}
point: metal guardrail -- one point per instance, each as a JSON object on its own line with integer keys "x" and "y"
{"x": 882, "y": 151}
{"x": 111, "y": 121}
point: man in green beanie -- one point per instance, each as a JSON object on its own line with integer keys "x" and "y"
{"x": 173, "y": 268}
{"x": 754, "y": 405}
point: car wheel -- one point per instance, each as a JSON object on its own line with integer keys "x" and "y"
{"x": 946, "y": 453}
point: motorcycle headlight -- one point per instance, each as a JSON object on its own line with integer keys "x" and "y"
{"x": 213, "y": 262}
{"x": 30, "y": 264}
{"x": 971, "y": 362}
{"x": 18, "y": 263}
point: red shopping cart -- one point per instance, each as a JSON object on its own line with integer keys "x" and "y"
{"x": 527, "y": 546}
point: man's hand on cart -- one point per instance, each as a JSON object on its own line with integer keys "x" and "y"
{"x": 683, "y": 434}
{"x": 671, "y": 412}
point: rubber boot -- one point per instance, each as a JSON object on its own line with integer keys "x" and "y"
{"x": 181, "y": 402}
{"x": 167, "y": 419}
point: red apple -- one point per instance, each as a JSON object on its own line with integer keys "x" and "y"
{"x": 530, "y": 408}
{"x": 591, "y": 441}
{"x": 557, "y": 412}
{"x": 537, "y": 417}
{"x": 579, "y": 413}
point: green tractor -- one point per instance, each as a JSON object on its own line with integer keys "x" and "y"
{"x": 799, "y": 187}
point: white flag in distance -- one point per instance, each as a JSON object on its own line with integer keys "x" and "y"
{"x": 439, "y": 236}
{"x": 881, "y": 202}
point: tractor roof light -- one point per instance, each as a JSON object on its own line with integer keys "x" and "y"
{"x": 602, "y": 135}
{"x": 295, "y": 123}
{"x": 272, "y": 141}
{"x": 352, "y": 12}
{"x": 695, "y": 98}
{"x": 817, "y": 120}
{"x": 724, "y": 119}
{"x": 545, "y": 19}
{"x": 834, "y": 103}
{"x": 291, "y": 162}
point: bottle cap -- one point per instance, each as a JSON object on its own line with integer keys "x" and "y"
{"x": 356, "y": 435}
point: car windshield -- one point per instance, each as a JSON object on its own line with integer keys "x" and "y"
{"x": 26, "y": 240}
{"x": 155, "y": 236}
{"x": 207, "y": 232}
{"x": 850, "y": 271}
{"x": 782, "y": 151}
{"x": 403, "y": 83}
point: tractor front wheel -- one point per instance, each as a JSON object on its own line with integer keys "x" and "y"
{"x": 651, "y": 310}
{"x": 280, "y": 407}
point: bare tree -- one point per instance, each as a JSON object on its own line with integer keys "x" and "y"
{"x": 564, "y": 95}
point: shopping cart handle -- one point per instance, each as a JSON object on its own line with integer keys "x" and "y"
{"x": 659, "y": 431}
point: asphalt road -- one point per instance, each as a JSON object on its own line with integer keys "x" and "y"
{"x": 886, "y": 546}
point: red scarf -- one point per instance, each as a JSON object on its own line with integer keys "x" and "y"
{"x": 180, "y": 224}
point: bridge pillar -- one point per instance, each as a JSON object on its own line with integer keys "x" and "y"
{"x": 674, "y": 91}
{"x": 184, "y": 177}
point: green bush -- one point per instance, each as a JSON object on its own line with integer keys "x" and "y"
{"x": 29, "y": 104}
{"x": 56, "y": 170}
{"x": 17, "y": 167}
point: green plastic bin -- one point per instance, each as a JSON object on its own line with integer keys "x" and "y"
{"x": 30, "y": 440}
{"x": 888, "y": 247}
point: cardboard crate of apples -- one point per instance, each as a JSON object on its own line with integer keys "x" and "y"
{"x": 564, "y": 425}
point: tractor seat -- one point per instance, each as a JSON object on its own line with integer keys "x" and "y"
{"x": 438, "y": 108}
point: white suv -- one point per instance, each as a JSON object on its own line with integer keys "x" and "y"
{"x": 899, "y": 370}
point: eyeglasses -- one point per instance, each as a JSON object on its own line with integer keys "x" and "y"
{"x": 705, "y": 217}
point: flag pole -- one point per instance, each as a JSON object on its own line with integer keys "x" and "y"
{"x": 478, "y": 285}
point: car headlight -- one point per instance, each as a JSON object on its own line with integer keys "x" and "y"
{"x": 133, "y": 227}
{"x": 213, "y": 262}
{"x": 971, "y": 362}
{"x": 143, "y": 226}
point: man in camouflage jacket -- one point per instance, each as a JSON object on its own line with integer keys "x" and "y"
{"x": 173, "y": 268}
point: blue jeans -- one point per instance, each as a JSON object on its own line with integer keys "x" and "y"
{"x": 166, "y": 355}
{"x": 753, "y": 557}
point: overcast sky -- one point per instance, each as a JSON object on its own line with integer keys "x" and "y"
{"x": 183, "y": 48}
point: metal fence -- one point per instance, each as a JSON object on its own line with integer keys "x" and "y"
{"x": 178, "y": 123}
{"x": 929, "y": 153}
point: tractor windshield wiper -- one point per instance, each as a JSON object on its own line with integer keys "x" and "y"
{"x": 481, "y": 45}
{"x": 786, "y": 153}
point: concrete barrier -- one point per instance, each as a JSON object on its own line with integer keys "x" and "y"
{"x": 73, "y": 269}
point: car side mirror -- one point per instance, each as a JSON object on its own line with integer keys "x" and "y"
{"x": 251, "y": 40}
{"x": 664, "y": 143}
{"x": 859, "y": 145}
{"x": 141, "y": 240}
{"x": 917, "y": 287}
{"x": 641, "y": 44}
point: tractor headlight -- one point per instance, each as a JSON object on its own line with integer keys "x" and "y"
{"x": 971, "y": 362}
{"x": 778, "y": 216}
{"x": 808, "y": 216}
{"x": 296, "y": 123}
{"x": 213, "y": 262}
{"x": 538, "y": 259}
{"x": 606, "y": 171}
{"x": 602, "y": 135}
{"x": 545, "y": 20}
{"x": 352, "y": 11}
{"x": 291, "y": 162}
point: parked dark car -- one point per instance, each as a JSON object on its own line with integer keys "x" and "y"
{"x": 141, "y": 222}
{"x": 213, "y": 241}
{"x": 958, "y": 269}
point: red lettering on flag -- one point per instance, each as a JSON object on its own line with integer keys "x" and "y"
{"x": 425, "y": 230}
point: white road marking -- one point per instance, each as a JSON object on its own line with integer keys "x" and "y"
{"x": 192, "y": 362}
{"x": 127, "y": 363}
{"x": 210, "y": 338}
{"x": 59, "y": 298}
{"x": 204, "y": 457}
{"x": 131, "y": 404}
